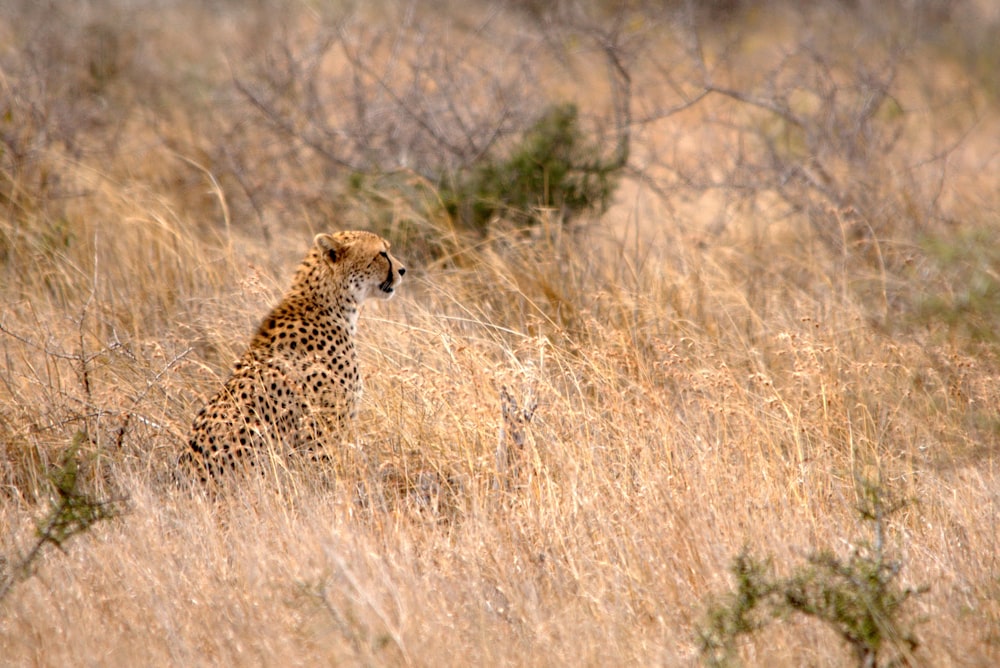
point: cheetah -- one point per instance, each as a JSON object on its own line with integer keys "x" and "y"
{"x": 297, "y": 385}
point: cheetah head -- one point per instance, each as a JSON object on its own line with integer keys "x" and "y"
{"x": 363, "y": 259}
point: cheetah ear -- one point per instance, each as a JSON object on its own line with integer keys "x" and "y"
{"x": 330, "y": 246}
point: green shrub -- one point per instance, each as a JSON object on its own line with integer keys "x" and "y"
{"x": 857, "y": 597}
{"x": 73, "y": 511}
{"x": 553, "y": 166}
{"x": 965, "y": 300}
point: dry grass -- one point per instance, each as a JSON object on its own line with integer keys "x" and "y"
{"x": 712, "y": 370}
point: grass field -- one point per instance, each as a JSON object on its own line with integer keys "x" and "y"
{"x": 788, "y": 316}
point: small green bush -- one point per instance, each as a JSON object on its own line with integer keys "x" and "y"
{"x": 553, "y": 166}
{"x": 857, "y": 597}
{"x": 966, "y": 299}
{"x": 73, "y": 512}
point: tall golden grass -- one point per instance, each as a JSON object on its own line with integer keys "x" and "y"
{"x": 708, "y": 374}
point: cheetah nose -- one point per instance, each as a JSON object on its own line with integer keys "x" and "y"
{"x": 402, "y": 270}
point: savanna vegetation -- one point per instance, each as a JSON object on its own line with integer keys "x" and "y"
{"x": 697, "y": 359}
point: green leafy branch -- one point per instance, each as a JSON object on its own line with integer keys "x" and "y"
{"x": 858, "y": 597}
{"x": 72, "y": 512}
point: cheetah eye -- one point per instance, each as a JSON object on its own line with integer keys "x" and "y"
{"x": 384, "y": 254}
